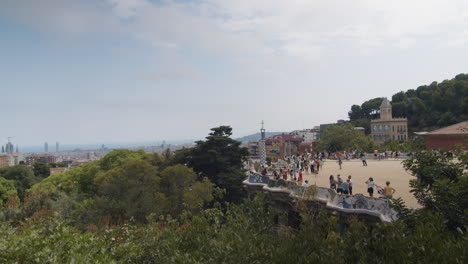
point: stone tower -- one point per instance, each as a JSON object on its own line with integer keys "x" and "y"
{"x": 262, "y": 146}
{"x": 385, "y": 110}
{"x": 388, "y": 128}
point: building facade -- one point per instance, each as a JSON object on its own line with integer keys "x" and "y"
{"x": 388, "y": 128}
{"x": 279, "y": 146}
{"x": 308, "y": 135}
{"x": 448, "y": 137}
{"x": 4, "y": 161}
{"x": 31, "y": 159}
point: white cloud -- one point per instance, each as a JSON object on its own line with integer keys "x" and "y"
{"x": 292, "y": 60}
{"x": 301, "y": 28}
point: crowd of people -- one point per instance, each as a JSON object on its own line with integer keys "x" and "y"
{"x": 346, "y": 187}
{"x": 292, "y": 169}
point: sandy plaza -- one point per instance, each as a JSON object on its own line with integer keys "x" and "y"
{"x": 381, "y": 171}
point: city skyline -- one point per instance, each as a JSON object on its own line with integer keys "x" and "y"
{"x": 133, "y": 71}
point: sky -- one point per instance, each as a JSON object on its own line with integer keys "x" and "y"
{"x": 96, "y": 71}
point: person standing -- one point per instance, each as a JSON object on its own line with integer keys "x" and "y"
{"x": 340, "y": 162}
{"x": 339, "y": 184}
{"x": 345, "y": 187}
{"x": 300, "y": 177}
{"x": 389, "y": 191}
{"x": 332, "y": 183}
{"x": 350, "y": 185}
{"x": 370, "y": 186}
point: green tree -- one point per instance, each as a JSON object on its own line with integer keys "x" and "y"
{"x": 130, "y": 190}
{"x": 360, "y": 116}
{"x": 179, "y": 184}
{"x": 441, "y": 185}
{"x": 428, "y": 107}
{"x": 22, "y": 176}
{"x": 7, "y": 190}
{"x": 220, "y": 158}
{"x": 344, "y": 137}
{"x": 41, "y": 169}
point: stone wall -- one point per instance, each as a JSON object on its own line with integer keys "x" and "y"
{"x": 285, "y": 195}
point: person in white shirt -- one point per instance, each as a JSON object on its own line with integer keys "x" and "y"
{"x": 370, "y": 186}
{"x": 306, "y": 183}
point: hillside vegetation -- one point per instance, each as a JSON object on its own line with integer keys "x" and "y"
{"x": 428, "y": 107}
{"x": 190, "y": 207}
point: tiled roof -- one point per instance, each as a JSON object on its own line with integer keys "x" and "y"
{"x": 457, "y": 129}
{"x": 385, "y": 102}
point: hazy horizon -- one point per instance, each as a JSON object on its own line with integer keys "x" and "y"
{"x": 95, "y": 71}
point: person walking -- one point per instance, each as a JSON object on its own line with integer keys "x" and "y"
{"x": 350, "y": 185}
{"x": 364, "y": 159}
{"x": 370, "y": 186}
{"x": 340, "y": 162}
{"x": 388, "y": 191}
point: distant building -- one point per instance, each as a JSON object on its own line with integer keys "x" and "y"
{"x": 9, "y": 148}
{"x": 253, "y": 149}
{"x": 57, "y": 147}
{"x": 4, "y": 161}
{"x": 30, "y": 160}
{"x": 15, "y": 158}
{"x": 279, "y": 146}
{"x": 46, "y": 147}
{"x": 448, "y": 137}
{"x": 388, "y": 128}
{"x": 308, "y": 135}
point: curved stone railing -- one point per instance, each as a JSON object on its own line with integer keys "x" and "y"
{"x": 352, "y": 204}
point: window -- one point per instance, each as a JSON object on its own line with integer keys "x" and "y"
{"x": 380, "y": 128}
{"x": 386, "y": 128}
{"x": 375, "y": 128}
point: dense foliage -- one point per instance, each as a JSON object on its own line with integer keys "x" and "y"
{"x": 41, "y": 169}
{"x": 121, "y": 186}
{"x": 220, "y": 158}
{"x": 135, "y": 207}
{"x": 427, "y": 107}
{"x": 244, "y": 233}
{"x": 345, "y": 137}
{"x": 22, "y": 177}
{"x": 441, "y": 185}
